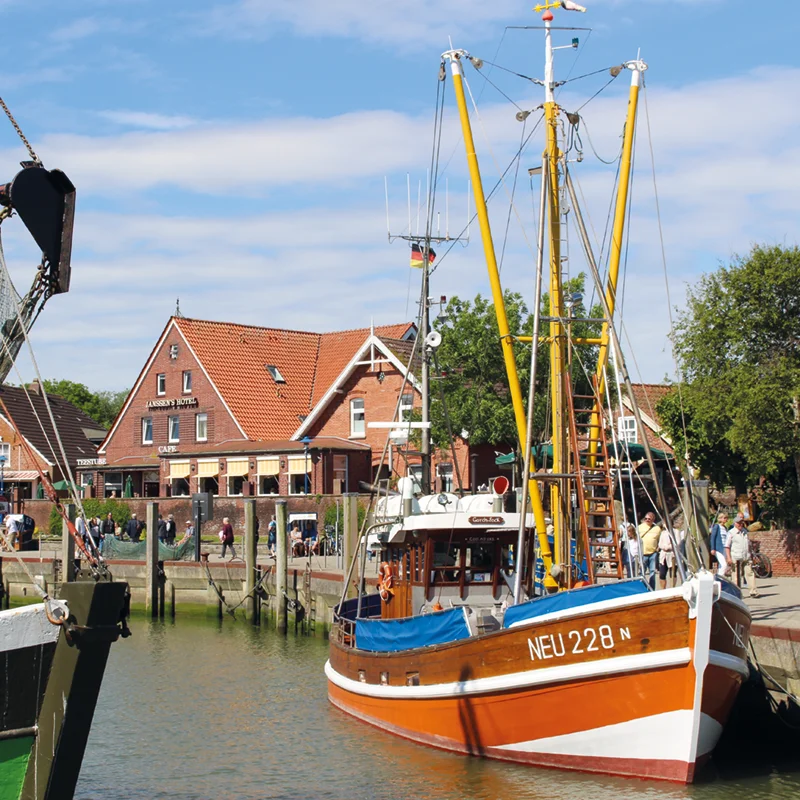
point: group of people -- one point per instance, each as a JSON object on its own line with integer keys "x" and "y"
{"x": 98, "y": 529}
{"x": 730, "y": 551}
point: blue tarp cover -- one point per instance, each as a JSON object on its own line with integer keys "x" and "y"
{"x": 391, "y": 635}
{"x": 572, "y": 599}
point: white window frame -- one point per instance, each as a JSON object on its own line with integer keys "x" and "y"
{"x": 161, "y": 384}
{"x": 197, "y": 436}
{"x": 176, "y": 420}
{"x": 5, "y": 452}
{"x": 406, "y": 406}
{"x": 627, "y": 430}
{"x": 358, "y": 415}
{"x": 187, "y": 381}
{"x": 445, "y": 473}
{"x": 109, "y": 487}
{"x": 231, "y": 479}
{"x": 173, "y": 351}
{"x": 145, "y": 421}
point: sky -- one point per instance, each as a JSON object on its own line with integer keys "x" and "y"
{"x": 235, "y": 155}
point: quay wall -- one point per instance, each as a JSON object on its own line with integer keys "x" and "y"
{"x": 783, "y": 549}
{"x": 188, "y": 588}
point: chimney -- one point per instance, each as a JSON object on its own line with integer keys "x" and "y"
{"x": 34, "y": 386}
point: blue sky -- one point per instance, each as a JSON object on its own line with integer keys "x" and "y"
{"x": 234, "y": 154}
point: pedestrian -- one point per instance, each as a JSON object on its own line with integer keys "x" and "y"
{"x": 272, "y": 537}
{"x": 189, "y": 529}
{"x": 667, "y": 565}
{"x": 96, "y": 532}
{"x": 162, "y": 529}
{"x": 133, "y": 528}
{"x": 738, "y": 553}
{"x": 296, "y": 546}
{"x": 226, "y": 537}
{"x": 649, "y": 534}
{"x": 108, "y": 526}
{"x": 83, "y": 531}
{"x": 170, "y": 529}
{"x": 631, "y": 551}
{"x": 716, "y": 543}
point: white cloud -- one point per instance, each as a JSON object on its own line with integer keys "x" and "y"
{"x": 148, "y": 120}
{"x": 77, "y": 29}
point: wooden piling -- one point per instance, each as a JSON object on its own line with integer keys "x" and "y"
{"x": 695, "y": 497}
{"x": 251, "y": 603}
{"x": 350, "y": 535}
{"x": 68, "y": 546}
{"x": 282, "y": 566}
{"x": 151, "y": 565}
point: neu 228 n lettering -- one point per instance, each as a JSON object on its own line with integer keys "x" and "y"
{"x": 590, "y": 640}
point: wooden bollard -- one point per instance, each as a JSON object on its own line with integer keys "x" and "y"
{"x": 251, "y": 603}
{"x": 68, "y": 546}
{"x": 349, "y": 535}
{"x": 151, "y": 568}
{"x": 282, "y": 565}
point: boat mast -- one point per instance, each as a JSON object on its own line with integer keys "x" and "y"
{"x": 559, "y": 492}
{"x": 637, "y": 67}
{"x": 454, "y": 57}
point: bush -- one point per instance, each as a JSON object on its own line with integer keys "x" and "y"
{"x": 330, "y": 516}
{"x": 94, "y": 507}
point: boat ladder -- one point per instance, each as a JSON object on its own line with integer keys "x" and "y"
{"x": 594, "y": 488}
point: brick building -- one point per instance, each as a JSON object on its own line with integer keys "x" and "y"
{"x": 241, "y": 411}
{"x": 21, "y": 464}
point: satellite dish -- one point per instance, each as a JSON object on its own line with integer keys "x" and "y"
{"x": 433, "y": 339}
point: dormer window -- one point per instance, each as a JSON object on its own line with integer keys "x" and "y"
{"x": 276, "y": 373}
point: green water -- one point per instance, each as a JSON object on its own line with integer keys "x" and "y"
{"x": 196, "y": 710}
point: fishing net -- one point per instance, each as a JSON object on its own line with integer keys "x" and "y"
{"x": 114, "y": 549}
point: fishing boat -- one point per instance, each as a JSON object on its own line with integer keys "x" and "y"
{"x": 593, "y": 670}
{"x": 53, "y": 653}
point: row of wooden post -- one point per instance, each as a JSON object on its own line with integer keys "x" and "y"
{"x": 153, "y": 583}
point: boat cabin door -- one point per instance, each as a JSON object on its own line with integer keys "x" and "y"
{"x": 398, "y": 603}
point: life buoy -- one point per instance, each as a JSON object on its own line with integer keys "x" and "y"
{"x": 385, "y": 581}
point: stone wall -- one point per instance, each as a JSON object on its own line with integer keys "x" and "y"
{"x": 783, "y": 549}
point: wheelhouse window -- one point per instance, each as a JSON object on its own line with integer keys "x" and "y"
{"x": 161, "y": 383}
{"x": 175, "y": 429}
{"x": 187, "y": 381}
{"x": 147, "y": 430}
{"x": 201, "y": 427}
{"x": 357, "y": 418}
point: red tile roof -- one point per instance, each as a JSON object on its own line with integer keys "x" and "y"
{"x": 647, "y": 396}
{"x": 235, "y": 357}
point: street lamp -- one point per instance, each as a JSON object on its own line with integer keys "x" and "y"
{"x": 305, "y": 441}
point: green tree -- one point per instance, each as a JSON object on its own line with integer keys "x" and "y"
{"x": 473, "y": 374}
{"x": 738, "y": 345}
{"x": 102, "y": 406}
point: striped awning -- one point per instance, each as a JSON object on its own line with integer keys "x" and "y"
{"x": 269, "y": 465}
{"x": 238, "y": 467}
{"x": 179, "y": 469}
{"x": 208, "y": 469}
{"x": 20, "y": 474}
{"x": 299, "y": 465}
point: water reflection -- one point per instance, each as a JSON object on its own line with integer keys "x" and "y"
{"x": 203, "y": 710}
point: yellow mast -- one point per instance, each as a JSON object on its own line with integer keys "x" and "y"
{"x": 454, "y": 57}
{"x": 636, "y": 67}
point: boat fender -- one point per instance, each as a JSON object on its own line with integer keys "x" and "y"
{"x": 385, "y": 581}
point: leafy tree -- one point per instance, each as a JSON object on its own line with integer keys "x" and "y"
{"x": 473, "y": 373}
{"x": 102, "y": 406}
{"x": 738, "y": 344}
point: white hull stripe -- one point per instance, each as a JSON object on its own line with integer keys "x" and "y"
{"x": 727, "y": 661}
{"x": 666, "y": 736}
{"x": 27, "y": 627}
{"x": 516, "y": 680}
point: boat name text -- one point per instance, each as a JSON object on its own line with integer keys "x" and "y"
{"x": 591, "y": 640}
{"x": 486, "y": 520}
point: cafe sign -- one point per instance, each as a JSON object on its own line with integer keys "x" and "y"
{"x": 173, "y": 402}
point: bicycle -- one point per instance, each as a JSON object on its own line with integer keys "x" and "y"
{"x": 761, "y": 564}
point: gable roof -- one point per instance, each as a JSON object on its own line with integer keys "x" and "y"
{"x": 647, "y": 397}
{"x": 74, "y": 426}
{"x": 235, "y": 358}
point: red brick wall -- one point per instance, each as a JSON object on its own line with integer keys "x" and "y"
{"x": 783, "y": 549}
{"x": 127, "y": 437}
{"x": 20, "y": 460}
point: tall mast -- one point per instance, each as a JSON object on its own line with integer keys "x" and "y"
{"x": 636, "y": 67}
{"x": 454, "y": 57}
{"x": 425, "y": 448}
{"x": 558, "y": 496}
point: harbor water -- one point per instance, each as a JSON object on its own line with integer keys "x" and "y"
{"x": 196, "y": 710}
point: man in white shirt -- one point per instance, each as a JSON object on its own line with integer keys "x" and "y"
{"x": 737, "y": 549}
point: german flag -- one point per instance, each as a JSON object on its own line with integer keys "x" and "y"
{"x": 417, "y": 256}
